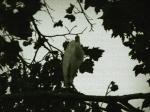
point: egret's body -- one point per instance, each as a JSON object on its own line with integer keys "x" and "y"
{"x": 73, "y": 57}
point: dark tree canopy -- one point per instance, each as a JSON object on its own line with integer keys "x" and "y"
{"x": 26, "y": 80}
{"x": 128, "y": 19}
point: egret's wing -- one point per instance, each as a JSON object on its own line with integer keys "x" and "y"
{"x": 67, "y": 56}
{"x": 79, "y": 53}
{"x": 67, "y": 59}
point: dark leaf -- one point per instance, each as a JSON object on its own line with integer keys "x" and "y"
{"x": 14, "y": 45}
{"x": 128, "y": 44}
{"x": 146, "y": 103}
{"x": 19, "y": 28}
{"x": 94, "y": 53}
{"x": 89, "y": 3}
{"x": 112, "y": 82}
{"x": 88, "y": 110}
{"x": 70, "y": 9}
{"x": 80, "y": 1}
{"x": 114, "y": 87}
{"x": 148, "y": 82}
{"x": 39, "y": 43}
{"x": 87, "y": 66}
{"x": 55, "y": 52}
{"x": 99, "y": 4}
{"x": 96, "y": 108}
{"x": 138, "y": 69}
{"x": 65, "y": 44}
{"x": 3, "y": 83}
{"x": 47, "y": 58}
{"x": 113, "y": 107}
{"x": 59, "y": 23}
{"x": 27, "y": 42}
{"x": 35, "y": 68}
{"x": 70, "y": 17}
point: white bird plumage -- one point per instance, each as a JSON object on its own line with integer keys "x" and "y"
{"x": 73, "y": 58}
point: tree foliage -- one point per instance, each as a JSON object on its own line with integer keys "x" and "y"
{"x": 20, "y": 76}
{"x": 130, "y": 21}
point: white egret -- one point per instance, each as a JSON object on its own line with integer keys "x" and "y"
{"x": 73, "y": 57}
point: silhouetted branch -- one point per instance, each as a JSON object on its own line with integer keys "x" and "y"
{"x": 130, "y": 107}
{"x": 65, "y": 34}
{"x": 44, "y": 36}
{"x": 76, "y": 96}
{"x": 71, "y": 28}
{"x": 33, "y": 60}
{"x": 123, "y": 99}
{"x": 107, "y": 92}
{"x": 50, "y": 45}
{"x": 23, "y": 61}
{"x": 85, "y": 15}
{"x": 47, "y": 8}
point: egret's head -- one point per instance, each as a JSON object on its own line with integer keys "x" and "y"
{"x": 77, "y": 38}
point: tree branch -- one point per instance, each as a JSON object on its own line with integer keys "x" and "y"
{"x": 76, "y": 96}
{"x": 130, "y": 107}
{"x": 33, "y": 60}
{"x": 50, "y": 45}
{"x": 85, "y": 15}
{"x": 44, "y": 36}
{"x": 47, "y": 8}
{"x": 65, "y": 34}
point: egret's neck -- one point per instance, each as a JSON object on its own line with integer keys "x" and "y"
{"x": 77, "y": 38}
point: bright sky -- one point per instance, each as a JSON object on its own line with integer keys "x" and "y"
{"x": 115, "y": 65}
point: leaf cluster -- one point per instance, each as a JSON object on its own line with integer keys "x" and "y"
{"x": 130, "y": 21}
{"x": 69, "y": 15}
{"x": 45, "y": 75}
{"x": 15, "y": 16}
{"x": 9, "y": 52}
{"x": 92, "y": 55}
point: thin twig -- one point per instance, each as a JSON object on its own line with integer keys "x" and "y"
{"x": 73, "y": 28}
{"x": 43, "y": 57}
{"x": 47, "y": 8}
{"x": 33, "y": 60}
{"x": 65, "y": 34}
{"x": 107, "y": 92}
{"x": 85, "y": 15}
{"x": 41, "y": 35}
{"x": 130, "y": 107}
{"x": 77, "y": 8}
{"x": 46, "y": 48}
{"x": 69, "y": 31}
{"x": 24, "y": 62}
{"x": 53, "y": 47}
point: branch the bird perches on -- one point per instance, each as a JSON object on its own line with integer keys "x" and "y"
{"x": 123, "y": 99}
